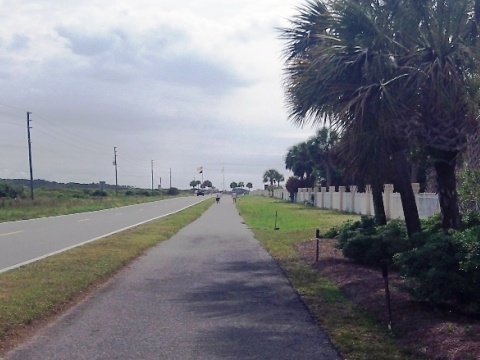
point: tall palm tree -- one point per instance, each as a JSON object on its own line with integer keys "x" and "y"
{"x": 337, "y": 70}
{"x": 415, "y": 59}
{"x": 442, "y": 65}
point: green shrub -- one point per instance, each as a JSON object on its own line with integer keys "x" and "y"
{"x": 373, "y": 245}
{"x": 468, "y": 189}
{"x": 470, "y": 219}
{"x": 364, "y": 226}
{"x": 173, "y": 191}
{"x": 331, "y": 233}
{"x": 12, "y": 191}
{"x": 444, "y": 270}
{"x": 432, "y": 224}
{"x": 99, "y": 193}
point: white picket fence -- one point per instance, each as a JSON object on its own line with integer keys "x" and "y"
{"x": 359, "y": 202}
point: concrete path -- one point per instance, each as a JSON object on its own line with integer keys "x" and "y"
{"x": 210, "y": 292}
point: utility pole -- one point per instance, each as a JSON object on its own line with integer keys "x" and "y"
{"x": 30, "y": 154}
{"x": 152, "y": 177}
{"x": 170, "y": 178}
{"x": 223, "y": 176}
{"x": 116, "y": 173}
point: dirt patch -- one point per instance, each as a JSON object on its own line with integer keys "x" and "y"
{"x": 432, "y": 333}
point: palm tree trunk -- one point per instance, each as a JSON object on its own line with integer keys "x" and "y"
{"x": 410, "y": 210}
{"x": 328, "y": 171}
{"x": 447, "y": 192}
{"x": 378, "y": 207}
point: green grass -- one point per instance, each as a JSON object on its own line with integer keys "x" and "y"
{"x": 354, "y": 332}
{"x": 38, "y": 290}
{"x": 22, "y": 209}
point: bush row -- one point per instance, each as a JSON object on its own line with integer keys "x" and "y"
{"x": 440, "y": 267}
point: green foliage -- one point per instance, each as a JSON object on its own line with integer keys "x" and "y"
{"x": 144, "y": 192}
{"x": 99, "y": 193}
{"x": 368, "y": 244}
{"x": 432, "y": 224}
{"x": 441, "y": 267}
{"x": 294, "y": 183}
{"x": 12, "y": 191}
{"x": 206, "y": 184}
{"x": 444, "y": 268}
{"x": 364, "y": 226}
{"x": 468, "y": 189}
{"x": 471, "y": 219}
{"x": 173, "y": 191}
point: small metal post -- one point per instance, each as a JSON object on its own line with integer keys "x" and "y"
{"x": 317, "y": 235}
{"x": 387, "y": 292}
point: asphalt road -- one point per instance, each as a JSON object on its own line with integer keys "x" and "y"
{"x": 210, "y": 292}
{"x": 22, "y": 242}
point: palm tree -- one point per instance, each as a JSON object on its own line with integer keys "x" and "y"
{"x": 279, "y": 178}
{"x": 299, "y": 161}
{"x": 320, "y": 150}
{"x": 337, "y": 70}
{"x": 272, "y": 176}
{"x": 443, "y": 64}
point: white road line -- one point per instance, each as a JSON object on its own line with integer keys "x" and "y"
{"x": 12, "y": 233}
{"x": 83, "y": 220}
{"x": 94, "y": 239}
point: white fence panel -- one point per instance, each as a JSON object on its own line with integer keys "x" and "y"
{"x": 359, "y": 203}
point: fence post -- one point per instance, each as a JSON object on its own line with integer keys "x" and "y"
{"x": 331, "y": 191}
{"x": 341, "y": 193}
{"x": 353, "y": 192}
{"x": 387, "y": 193}
{"x": 368, "y": 199}
{"x": 323, "y": 191}
{"x": 317, "y": 236}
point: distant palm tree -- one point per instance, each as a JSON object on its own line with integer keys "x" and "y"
{"x": 299, "y": 161}
{"x": 320, "y": 149}
{"x": 273, "y": 177}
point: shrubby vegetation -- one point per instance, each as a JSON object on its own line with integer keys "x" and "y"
{"x": 368, "y": 244}
{"x": 468, "y": 189}
{"x": 12, "y": 191}
{"x": 440, "y": 266}
{"x": 173, "y": 191}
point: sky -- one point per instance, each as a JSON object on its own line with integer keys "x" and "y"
{"x": 174, "y": 84}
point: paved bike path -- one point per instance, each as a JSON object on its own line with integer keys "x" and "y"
{"x": 210, "y": 292}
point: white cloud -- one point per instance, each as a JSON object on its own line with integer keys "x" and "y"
{"x": 182, "y": 83}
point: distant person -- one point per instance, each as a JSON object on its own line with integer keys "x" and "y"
{"x": 218, "y": 198}
{"x": 234, "y": 197}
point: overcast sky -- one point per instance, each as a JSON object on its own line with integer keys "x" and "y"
{"x": 183, "y": 83}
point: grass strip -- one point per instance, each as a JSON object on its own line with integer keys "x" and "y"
{"x": 22, "y": 209}
{"x": 37, "y": 291}
{"x": 353, "y": 331}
